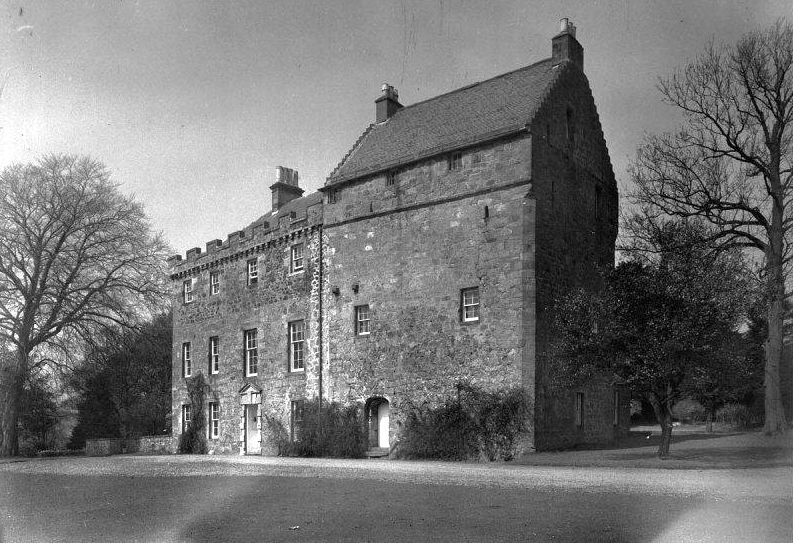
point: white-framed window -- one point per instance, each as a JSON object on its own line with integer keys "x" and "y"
{"x": 214, "y": 420}
{"x": 187, "y": 291}
{"x": 361, "y": 320}
{"x": 579, "y": 409}
{"x": 214, "y": 283}
{"x": 186, "y": 413}
{"x": 214, "y": 354}
{"x": 187, "y": 360}
{"x": 251, "y": 353}
{"x": 296, "y": 417}
{"x": 296, "y": 258}
{"x": 469, "y": 304}
{"x": 455, "y": 161}
{"x": 253, "y": 271}
{"x": 297, "y": 343}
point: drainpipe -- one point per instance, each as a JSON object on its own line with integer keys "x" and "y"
{"x": 321, "y": 319}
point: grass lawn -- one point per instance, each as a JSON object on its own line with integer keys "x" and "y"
{"x": 692, "y": 448}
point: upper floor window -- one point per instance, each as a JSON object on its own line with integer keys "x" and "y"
{"x": 253, "y": 271}
{"x": 214, "y": 354}
{"x": 362, "y": 320}
{"x": 214, "y": 283}
{"x": 570, "y": 125}
{"x": 334, "y": 196}
{"x": 455, "y": 161}
{"x": 390, "y": 178}
{"x": 296, "y": 258}
{"x": 297, "y": 341}
{"x": 470, "y": 304}
{"x": 187, "y": 361}
{"x": 251, "y": 353}
{"x": 214, "y": 420}
{"x": 187, "y": 291}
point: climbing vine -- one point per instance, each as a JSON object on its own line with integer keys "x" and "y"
{"x": 193, "y": 439}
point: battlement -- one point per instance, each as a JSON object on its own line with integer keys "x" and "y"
{"x": 296, "y": 215}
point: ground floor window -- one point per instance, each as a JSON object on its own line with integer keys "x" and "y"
{"x": 579, "y": 409}
{"x": 296, "y": 419}
{"x": 185, "y": 417}
{"x": 214, "y": 420}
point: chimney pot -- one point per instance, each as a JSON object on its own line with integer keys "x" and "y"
{"x": 285, "y": 189}
{"x": 565, "y": 46}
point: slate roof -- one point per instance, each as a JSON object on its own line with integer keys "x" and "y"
{"x": 298, "y": 205}
{"x": 499, "y": 106}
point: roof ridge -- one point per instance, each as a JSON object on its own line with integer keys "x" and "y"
{"x": 470, "y": 85}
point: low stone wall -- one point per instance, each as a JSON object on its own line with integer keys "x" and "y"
{"x": 145, "y": 444}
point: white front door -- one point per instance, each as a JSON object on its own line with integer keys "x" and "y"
{"x": 253, "y": 438}
{"x": 383, "y": 411}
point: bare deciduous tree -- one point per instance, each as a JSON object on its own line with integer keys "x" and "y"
{"x": 732, "y": 166}
{"x": 76, "y": 255}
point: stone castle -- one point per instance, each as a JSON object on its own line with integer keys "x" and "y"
{"x": 431, "y": 257}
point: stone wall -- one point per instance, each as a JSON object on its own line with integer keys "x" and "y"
{"x": 576, "y": 231}
{"x": 280, "y": 296}
{"x": 406, "y": 250}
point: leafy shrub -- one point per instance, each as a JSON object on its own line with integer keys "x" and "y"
{"x": 690, "y": 411}
{"x": 193, "y": 438}
{"x": 335, "y": 430}
{"x": 735, "y": 415}
{"x": 476, "y": 424}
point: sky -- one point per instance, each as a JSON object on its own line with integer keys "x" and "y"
{"x": 192, "y": 105}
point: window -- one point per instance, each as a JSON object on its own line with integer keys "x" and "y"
{"x": 185, "y": 417}
{"x": 297, "y": 258}
{"x": 470, "y": 304}
{"x": 296, "y": 419}
{"x": 187, "y": 291}
{"x": 334, "y": 196}
{"x": 253, "y": 271}
{"x": 362, "y": 320}
{"x": 579, "y": 409}
{"x": 570, "y": 125}
{"x": 214, "y": 420}
{"x": 214, "y": 355}
{"x": 598, "y": 202}
{"x": 455, "y": 161}
{"x": 390, "y": 178}
{"x": 251, "y": 353}
{"x": 187, "y": 363}
{"x": 616, "y": 408}
{"x": 214, "y": 283}
{"x": 297, "y": 340}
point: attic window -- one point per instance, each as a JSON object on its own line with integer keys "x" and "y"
{"x": 334, "y": 195}
{"x": 455, "y": 161}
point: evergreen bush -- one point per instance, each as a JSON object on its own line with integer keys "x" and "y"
{"x": 335, "y": 430}
{"x": 477, "y": 424}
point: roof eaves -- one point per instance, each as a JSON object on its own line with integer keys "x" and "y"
{"x": 427, "y": 153}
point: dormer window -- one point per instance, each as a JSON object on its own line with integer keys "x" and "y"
{"x": 455, "y": 161}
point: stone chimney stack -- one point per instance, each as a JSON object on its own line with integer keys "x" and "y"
{"x": 566, "y": 47}
{"x": 285, "y": 188}
{"x": 387, "y": 104}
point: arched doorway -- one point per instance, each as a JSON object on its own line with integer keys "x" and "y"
{"x": 251, "y": 420}
{"x": 378, "y": 412}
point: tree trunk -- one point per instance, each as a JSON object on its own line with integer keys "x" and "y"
{"x": 774, "y": 410}
{"x": 11, "y": 389}
{"x": 663, "y": 414}
{"x": 709, "y": 422}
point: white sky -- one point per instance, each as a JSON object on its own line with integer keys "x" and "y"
{"x": 192, "y": 105}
